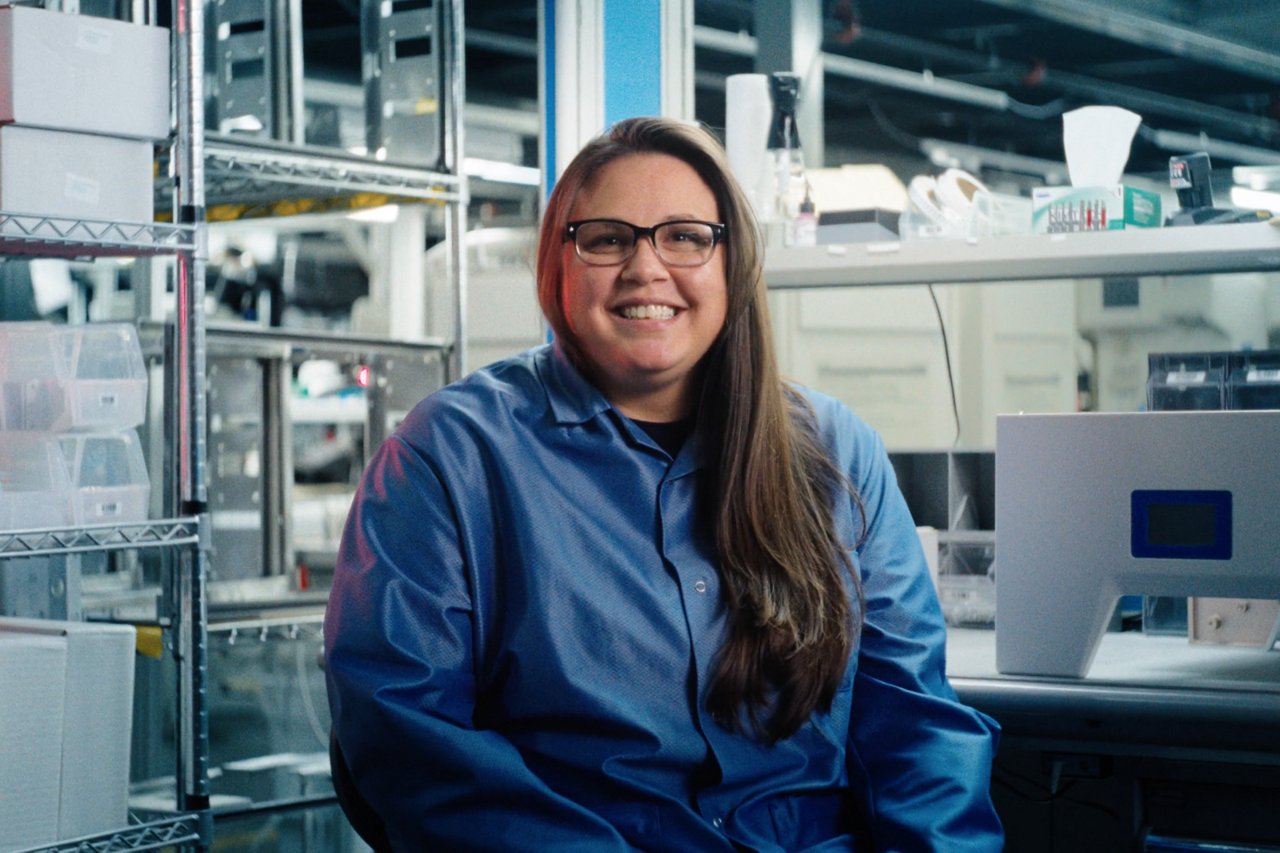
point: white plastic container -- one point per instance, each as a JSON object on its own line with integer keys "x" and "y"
{"x": 59, "y": 378}
{"x": 108, "y": 477}
{"x": 35, "y": 490}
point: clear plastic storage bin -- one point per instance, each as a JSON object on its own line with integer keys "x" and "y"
{"x": 108, "y": 477}
{"x": 31, "y": 377}
{"x": 59, "y": 378}
{"x": 35, "y": 490}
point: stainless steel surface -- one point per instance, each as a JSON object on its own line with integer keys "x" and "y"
{"x": 159, "y": 533}
{"x": 189, "y": 605}
{"x": 250, "y": 168}
{"x": 152, "y": 835}
{"x": 402, "y": 70}
{"x": 25, "y": 234}
{"x": 456, "y": 227}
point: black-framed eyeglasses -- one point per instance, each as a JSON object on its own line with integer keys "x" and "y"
{"x": 680, "y": 243}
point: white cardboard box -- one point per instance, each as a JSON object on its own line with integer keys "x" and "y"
{"x": 32, "y": 685}
{"x": 95, "y": 707}
{"x": 75, "y": 175}
{"x": 83, "y": 73}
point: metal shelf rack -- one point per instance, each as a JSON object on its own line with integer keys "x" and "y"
{"x": 29, "y": 234}
{"x": 233, "y": 165}
{"x": 32, "y": 235}
{"x": 153, "y": 835}
{"x": 267, "y": 178}
{"x": 167, "y": 533}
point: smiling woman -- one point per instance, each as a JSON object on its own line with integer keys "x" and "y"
{"x": 630, "y": 590}
{"x": 641, "y": 323}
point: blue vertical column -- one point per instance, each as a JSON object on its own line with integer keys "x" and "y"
{"x": 632, "y": 59}
{"x": 602, "y": 62}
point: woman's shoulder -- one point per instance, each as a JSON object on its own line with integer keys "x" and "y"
{"x": 853, "y": 443}
{"x": 833, "y": 416}
{"x": 486, "y": 399}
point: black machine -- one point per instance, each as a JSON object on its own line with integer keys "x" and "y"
{"x": 1189, "y": 174}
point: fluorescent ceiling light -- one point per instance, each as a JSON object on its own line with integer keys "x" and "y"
{"x": 505, "y": 173}
{"x": 386, "y": 213}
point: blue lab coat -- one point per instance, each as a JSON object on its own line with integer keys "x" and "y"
{"x": 523, "y": 627}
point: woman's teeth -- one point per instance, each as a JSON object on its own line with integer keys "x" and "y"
{"x": 648, "y": 312}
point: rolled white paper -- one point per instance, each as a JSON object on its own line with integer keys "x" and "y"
{"x": 748, "y": 111}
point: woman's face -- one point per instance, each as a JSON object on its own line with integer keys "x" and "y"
{"x": 642, "y": 325}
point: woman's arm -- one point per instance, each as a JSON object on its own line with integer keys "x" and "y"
{"x": 400, "y": 635}
{"x": 925, "y": 756}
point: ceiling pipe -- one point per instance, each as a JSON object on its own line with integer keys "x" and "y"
{"x": 926, "y": 83}
{"x": 1164, "y": 36}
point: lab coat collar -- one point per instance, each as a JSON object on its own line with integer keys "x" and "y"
{"x": 572, "y": 400}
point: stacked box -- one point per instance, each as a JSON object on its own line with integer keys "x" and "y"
{"x": 78, "y": 698}
{"x": 85, "y": 98}
{"x": 33, "y": 672}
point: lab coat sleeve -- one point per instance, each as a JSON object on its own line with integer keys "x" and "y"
{"x": 400, "y": 636}
{"x": 925, "y": 756}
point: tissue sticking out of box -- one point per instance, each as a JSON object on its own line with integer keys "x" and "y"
{"x": 1097, "y": 141}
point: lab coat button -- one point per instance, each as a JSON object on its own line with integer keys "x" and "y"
{"x": 700, "y": 586}
{"x": 717, "y": 823}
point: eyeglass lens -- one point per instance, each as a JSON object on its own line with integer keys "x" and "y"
{"x": 677, "y": 243}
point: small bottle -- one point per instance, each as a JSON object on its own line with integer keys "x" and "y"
{"x": 806, "y": 221}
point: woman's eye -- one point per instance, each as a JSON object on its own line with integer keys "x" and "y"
{"x": 604, "y": 241}
{"x": 689, "y": 236}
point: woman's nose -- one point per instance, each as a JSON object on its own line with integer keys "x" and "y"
{"x": 644, "y": 263}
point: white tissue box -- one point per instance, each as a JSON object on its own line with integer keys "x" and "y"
{"x": 1058, "y": 210}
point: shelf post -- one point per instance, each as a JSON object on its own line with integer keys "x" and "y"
{"x": 190, "y": 626}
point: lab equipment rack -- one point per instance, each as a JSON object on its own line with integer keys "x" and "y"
{"x": 195, "y": 163}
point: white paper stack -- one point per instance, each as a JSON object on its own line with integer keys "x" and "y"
{"x": 77, "y": 717}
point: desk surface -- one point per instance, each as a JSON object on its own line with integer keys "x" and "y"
{"x": 1153, "y": 689}
{"x": 1131, "y": 658}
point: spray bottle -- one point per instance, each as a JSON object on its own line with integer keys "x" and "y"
{"x": 786, "y": 161}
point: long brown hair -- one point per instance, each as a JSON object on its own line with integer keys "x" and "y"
{"x": 772, "y": 486}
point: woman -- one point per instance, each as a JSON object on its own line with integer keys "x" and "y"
{"x": 630, "y": 590}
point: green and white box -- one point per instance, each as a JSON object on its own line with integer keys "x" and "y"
{"x": 1057, "y": 210}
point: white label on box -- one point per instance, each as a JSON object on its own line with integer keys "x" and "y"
{"x": 108, "y": 401}
{"x": 1256, "y": 375}
{"x": 93, "y": 39}
{"x": 81, "y": 188}
{"x": 1186, "y": 377}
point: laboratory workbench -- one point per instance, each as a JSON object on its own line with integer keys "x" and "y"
{"x": 1157, "y": 694}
